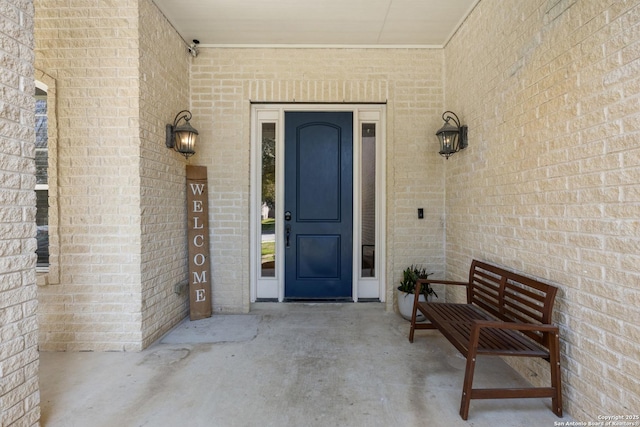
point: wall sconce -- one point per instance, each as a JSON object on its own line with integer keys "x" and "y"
{"x": 452, "y": 138}
{"x": 182, "y": 138}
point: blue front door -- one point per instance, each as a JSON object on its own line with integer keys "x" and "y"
{"x": 318, "y": 205}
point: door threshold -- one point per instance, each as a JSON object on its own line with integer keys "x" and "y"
{"x": 322, "y": 300}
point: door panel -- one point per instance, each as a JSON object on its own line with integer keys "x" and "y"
{"x": 318, "y": 194}
{"x": 318, "y": 170}
{"x": 318, "y": 257}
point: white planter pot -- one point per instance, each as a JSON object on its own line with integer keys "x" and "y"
{"x": 405, "y": 305}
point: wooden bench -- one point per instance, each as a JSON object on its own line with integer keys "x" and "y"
{"x": 506, "y": 314}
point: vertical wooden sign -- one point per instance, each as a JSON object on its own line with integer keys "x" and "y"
{"x": 198, "y": 234}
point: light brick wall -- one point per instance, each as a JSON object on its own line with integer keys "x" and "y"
{"x": 164, "y": 91}
{"x": 91, "y": 50}
{"x": 549, "y": 183}
{"x": 224, "y": 81}
{"x": 121, "y": 74}
{"x": 19, "y": 392}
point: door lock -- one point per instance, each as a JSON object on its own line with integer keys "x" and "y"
{"x": 287, "y": 216}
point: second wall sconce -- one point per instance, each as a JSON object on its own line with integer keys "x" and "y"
{"x": 182, "y": 138}
{"x": 452, "y": 138}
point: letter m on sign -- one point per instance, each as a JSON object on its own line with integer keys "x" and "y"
{"x": 198, "y": 234}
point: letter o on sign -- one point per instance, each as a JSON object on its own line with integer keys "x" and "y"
{"x": 199, "y": 259}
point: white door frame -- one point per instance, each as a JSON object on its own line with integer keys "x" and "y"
{"x": 272, "y": 288}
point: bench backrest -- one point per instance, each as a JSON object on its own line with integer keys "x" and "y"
{"x": 510, "y": 296}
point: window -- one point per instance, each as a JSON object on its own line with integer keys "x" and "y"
{"x": 268, "y": 221}
{"x": 42, "y": 180}
{"x": 368, "y": 207}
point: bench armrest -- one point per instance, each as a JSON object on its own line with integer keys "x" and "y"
{"x": 549, "y": 334}
{"x": 441, "y": 282}
{"x": 419, "y": 283}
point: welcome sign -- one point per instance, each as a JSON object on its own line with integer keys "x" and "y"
{"x": 198, "y": 234}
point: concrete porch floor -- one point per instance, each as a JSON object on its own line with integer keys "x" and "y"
{"x": 282, "y": 365}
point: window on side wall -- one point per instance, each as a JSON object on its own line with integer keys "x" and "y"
{"x": 42, "y": 181}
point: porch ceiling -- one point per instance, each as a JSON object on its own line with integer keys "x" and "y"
{"x": 375, "y": 23}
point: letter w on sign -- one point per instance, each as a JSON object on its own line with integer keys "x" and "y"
{"x": 198, "y": 234}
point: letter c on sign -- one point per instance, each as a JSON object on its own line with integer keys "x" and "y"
{"x": 198, "y": 241}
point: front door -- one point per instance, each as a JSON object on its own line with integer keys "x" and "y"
{"x": 318, "y": 205}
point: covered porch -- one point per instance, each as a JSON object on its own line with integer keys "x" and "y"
{"x": 548, "y": 186}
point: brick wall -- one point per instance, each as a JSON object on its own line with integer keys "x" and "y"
{"x": 549, "y": 183}
{"x": 121, "y": 74}
{"x": 225, "y": 81}
{"x": 19, "y": 396}
{"x": 91, "y": 50}
{"x": 164, "y": 91}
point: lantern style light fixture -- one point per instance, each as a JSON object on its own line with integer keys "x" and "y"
{"x": 182, "y": 138}
{"x": 452, "y": 138}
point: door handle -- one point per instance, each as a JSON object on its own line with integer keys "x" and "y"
{"x": 287, "y": 234}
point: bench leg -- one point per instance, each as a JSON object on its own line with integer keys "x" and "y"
{"x": 414, "y": 311}
{"x": 467, "y": 386}
{"x": 413, "y": 328}
{"x": 556, "y": 380}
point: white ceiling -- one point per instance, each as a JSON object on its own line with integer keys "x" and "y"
{"x": 373, "y": 23}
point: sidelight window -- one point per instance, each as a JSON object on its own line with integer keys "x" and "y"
{"x": 268, "y": 207}
{"x": 368, "y": 200}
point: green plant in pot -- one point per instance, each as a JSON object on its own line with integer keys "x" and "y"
{"x": 407, "y": 288}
